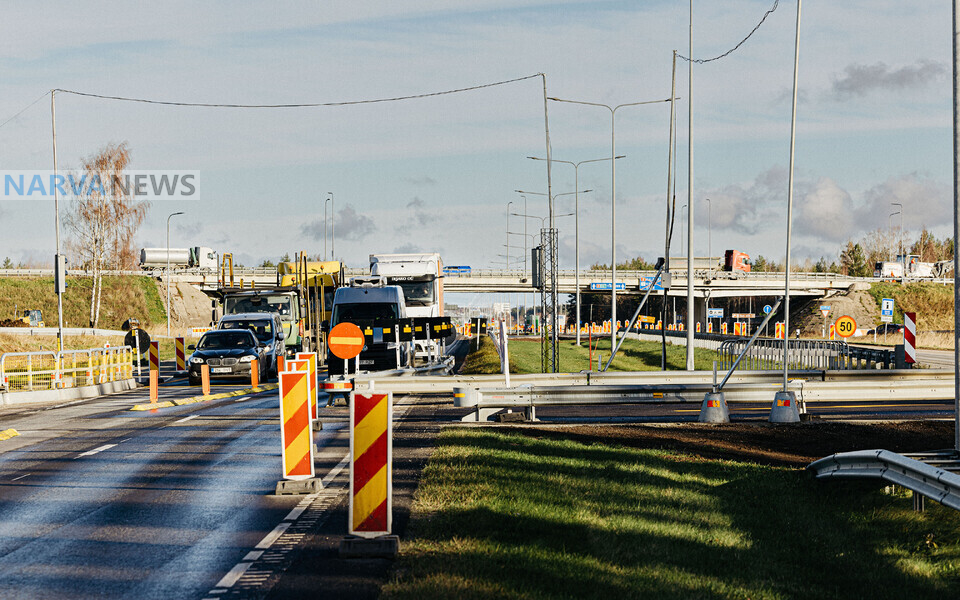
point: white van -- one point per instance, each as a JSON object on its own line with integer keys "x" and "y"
{"x": 365, "y": 301}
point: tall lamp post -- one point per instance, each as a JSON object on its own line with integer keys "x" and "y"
{"x": 168, "y": 269}
{"x": 893, "y": 214}
{"x": 576, "y": 210}
{"x": 613, "y": 203}
{"x": 333, "y": 224}
{"x": 709, "y": 228}
{"x": 900, "y": 237}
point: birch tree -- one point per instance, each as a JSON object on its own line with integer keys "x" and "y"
{"x": 103, "y": 219}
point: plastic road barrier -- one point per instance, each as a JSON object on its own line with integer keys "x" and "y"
{"x": 154, "y": 356}
{"x": 181, "y": 354}
{"x": 295, "y": 438}
{"x": 311, "y": 358}
{"x": 910, "y": 337}
{"x": 371, "y": 454}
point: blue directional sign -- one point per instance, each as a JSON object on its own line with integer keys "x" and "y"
{"x": 646, "y": 281}
{"x": 886, "y": 307}
{"x": 606, "y": 286}
{"x": 766, "y": 309}
{"x": 714, "y": 313}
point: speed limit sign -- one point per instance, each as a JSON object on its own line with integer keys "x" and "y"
{"x": 845, "y": 326}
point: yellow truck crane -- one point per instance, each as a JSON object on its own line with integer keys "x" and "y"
{"x": 302, "y": 297}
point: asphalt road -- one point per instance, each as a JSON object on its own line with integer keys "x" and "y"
{"x": 97, "y": 501}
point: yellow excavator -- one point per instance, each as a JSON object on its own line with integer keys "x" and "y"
{"x": 33, "y": 318}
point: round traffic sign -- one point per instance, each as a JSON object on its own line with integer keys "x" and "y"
{"x": 345, "y": 341}
{"x": 845, "y": 326}
{"x": 766, "y": 309}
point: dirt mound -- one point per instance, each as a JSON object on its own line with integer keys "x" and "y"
{"x": 189, "y": 307}
{"x": 857, "y": 304}
{"x": 794, "y": 445}
{"x": 13, "y": 323}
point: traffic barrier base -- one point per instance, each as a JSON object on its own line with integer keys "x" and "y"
{"x": 714, "y": 408}
{"x": 289, "y": 487}
{"x": 784, "y": 409}
{"x": 384, "y": 546}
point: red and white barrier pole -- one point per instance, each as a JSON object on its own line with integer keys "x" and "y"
{"x": 910, "y": 337}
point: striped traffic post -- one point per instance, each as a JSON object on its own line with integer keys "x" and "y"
{"x": 181, "y": 354}
{"x": 371, "y": 473}
{"x": 311, "y": 358}
{"x": 296, "y": 441}
{"x": 910, "y": 337}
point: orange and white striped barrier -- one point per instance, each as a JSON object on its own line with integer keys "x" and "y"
{"x": 371, "y": 474}
{"x": 311, "y": 358}
{"x": 337, "y": 386}
{"x": 255, "y": 373}
{"x": 295, "y": 438}
{"x": 181, "y": 354}
{"x": 205, "y": 379}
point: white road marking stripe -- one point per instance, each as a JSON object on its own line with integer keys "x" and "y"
{"x": 295, "y": 513}
{"x": 253, "y": 555}
{"x": 271, "y": 537}
{"x": 336, "y": 470}
{"x": 96, "y": 450}
{"x": 185, "y": 419}
{"x": 21, "y": 477}
{"x": 242, "y": 399}
{"x": 232, "y": 576}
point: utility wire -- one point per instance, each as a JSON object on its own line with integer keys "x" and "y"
{"x": 731, "y": 50}
{"x": 25, "y": 109}
{"x": 301, "y": 105}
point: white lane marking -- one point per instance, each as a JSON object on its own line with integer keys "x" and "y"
{"x": 253, "y": 555}
{"x": 126, "y": 440}
{"x": 295, "y": 513}
{"x": 22, "y": 476}
{"x": 336, "y": 470}
{"x": 185, "y": 419}
{"x": 271, "y": 537}
{"x": 96, "y": 450}
{"x": 242, "y": 399}
{"x": 232, "y": 576}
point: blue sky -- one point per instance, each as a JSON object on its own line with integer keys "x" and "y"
{"x": 436, "y": 174}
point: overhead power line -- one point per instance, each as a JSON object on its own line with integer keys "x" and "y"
{"x": 740, "y": 43}
{"x": 298, "y": 105}
{"x": 44, "y": 95}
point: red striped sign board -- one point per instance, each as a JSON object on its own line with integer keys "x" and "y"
{"x": 910, "y": 337}
{"x": 181, "y": 354}
{"x": 154, "y": 356}
{"x": 371, "y": 473}
{"x": 295, "y": 431}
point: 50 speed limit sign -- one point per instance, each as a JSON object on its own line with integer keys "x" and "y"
{"x": 845, "y": 326}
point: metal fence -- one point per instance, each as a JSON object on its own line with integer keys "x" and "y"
{"x": 37, "y": 371}
{"x": 767, "y": 353}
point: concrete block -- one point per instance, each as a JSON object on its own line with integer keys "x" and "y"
{"x": 301, "y": 486}
{"x": 384, "y": 546}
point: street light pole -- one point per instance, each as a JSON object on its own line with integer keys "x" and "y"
{"x": 168, "y": 269}
{"x": 325, "y": 227}
{"x": 613, "y": 203}
{"x": 900, "y": 238}
{"x": 333, "y": 224}
{"x": 709, "y": 227}
{"x": 508, "y": 234}
{"x": 576, "y": 234}
{"x": 56, "y": 207}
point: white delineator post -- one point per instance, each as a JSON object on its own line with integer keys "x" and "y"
{"x": 910, "y": 337}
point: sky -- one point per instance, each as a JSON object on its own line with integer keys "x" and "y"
{"x": 439, "y": 173}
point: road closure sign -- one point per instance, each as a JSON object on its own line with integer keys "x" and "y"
{"x": 845, "y": 326}
{"x": 345, "y": 341}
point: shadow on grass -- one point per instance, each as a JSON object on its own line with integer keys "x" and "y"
{"x": 543, "y": 518}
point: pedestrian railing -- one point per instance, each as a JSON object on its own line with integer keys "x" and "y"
{"x": 767, "y": 353}
{"x": 38, "y": 371}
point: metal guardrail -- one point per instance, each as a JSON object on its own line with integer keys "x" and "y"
{"x": 932, "y": 383}
{"x": 37, "y": 371}
{"x": 66, "y": 331}
{"x": 923, "y": 479}
{"x": 767, "y": 353}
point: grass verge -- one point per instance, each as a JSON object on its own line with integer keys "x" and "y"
{"x": 634, "y": 355}
{"x": 507, "y": 515}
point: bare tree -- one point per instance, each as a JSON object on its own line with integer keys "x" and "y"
{"x": 104, "y": 218}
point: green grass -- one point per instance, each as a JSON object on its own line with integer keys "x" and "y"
{"x": 122, "y": 298}
{"x": 933, "y": 302}
{"x": 507, "y": 515}
{"x": 634, "y": 355}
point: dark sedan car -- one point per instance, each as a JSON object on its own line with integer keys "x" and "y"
{"x": 229, "y": 353}
{"x": 887, "y": 329}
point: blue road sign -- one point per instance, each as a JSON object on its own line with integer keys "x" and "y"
{"x": 646, "y": 281}
{"x": 766, "y": 309}
{"x": 606, "y": 286}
